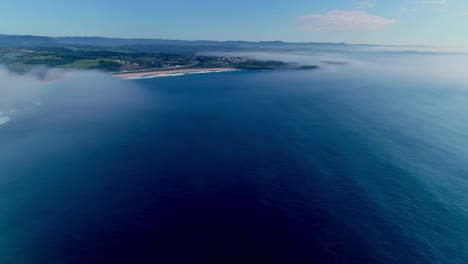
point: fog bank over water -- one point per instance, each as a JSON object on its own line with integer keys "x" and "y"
{"x": 417, "y": 65}
{"x": 71, "y": 89}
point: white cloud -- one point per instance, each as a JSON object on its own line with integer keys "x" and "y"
{"x": 465, "y": 13}
{"x": 365, "y": 4}
{"x": 337, "y": 20}
{"x": 433, "y": 2}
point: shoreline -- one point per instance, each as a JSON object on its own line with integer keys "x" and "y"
{"x": 159, "y": 73}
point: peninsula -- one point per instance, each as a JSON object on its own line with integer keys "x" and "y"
{"x": 22, "y": 54}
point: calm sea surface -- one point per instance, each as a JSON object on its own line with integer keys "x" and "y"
{"x": 328, "y": 166}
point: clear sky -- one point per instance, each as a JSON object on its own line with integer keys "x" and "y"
{"x": 425, "y": 22}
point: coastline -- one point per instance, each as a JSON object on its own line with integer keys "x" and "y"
{"x": 160, "y": 73}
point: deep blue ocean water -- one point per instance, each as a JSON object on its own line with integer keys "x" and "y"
{"x": 241, "y": 167}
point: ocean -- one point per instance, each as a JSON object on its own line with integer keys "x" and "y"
{"x": 365, "y": 162}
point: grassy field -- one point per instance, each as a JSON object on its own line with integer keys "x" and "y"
{"x": 21, "y": 67}
{"x": 13, "y": 55}
{"x": 43, "y": 57}
{"x": 82, "y": 64}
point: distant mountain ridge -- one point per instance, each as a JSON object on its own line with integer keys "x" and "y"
{"x": 30, "y": 40}
{"x": 25, "y": 40}
{"x": 194, "y": 46}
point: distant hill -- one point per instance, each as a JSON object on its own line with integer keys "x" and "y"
{"x": 25, "y": 41}
{"x": 190, "y": 46}
{"x": 34, "y": 41}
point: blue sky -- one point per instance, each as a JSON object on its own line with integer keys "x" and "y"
{"x": 414, "y": 22}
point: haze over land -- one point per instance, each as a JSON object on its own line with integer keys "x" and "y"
{"x": 25, "y": 53}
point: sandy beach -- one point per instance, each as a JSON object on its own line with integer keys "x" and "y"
{"x": 169, "y": 72}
